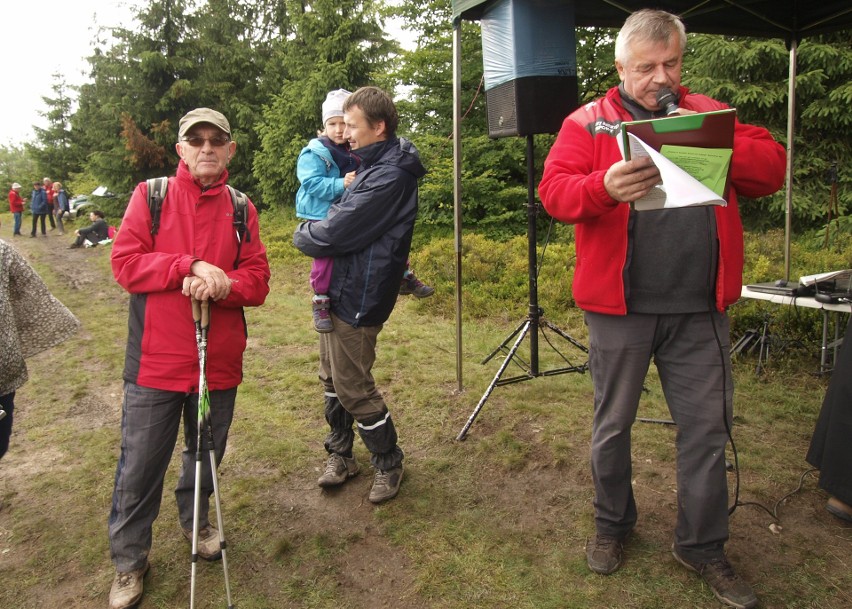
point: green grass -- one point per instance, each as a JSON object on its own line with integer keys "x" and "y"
{"x": 497, "y": 521}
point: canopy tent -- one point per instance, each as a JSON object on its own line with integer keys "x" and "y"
{"x": 790, "y": 20}
{"x": 787, "y": 19}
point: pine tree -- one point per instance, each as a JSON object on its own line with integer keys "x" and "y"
{"x": 328, "y": 45}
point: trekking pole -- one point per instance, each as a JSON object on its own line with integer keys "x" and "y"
{"x": 201, "y": 316}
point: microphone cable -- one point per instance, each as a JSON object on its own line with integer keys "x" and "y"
{"x": 736, "y": 503}
{"x": 710, "y": 314}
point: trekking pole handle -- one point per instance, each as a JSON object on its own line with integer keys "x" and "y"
{"x": 201, "y": 311}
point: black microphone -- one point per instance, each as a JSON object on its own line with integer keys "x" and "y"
{"x": 668, "y": 100}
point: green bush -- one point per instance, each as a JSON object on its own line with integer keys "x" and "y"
{"x": 495, "y": 273}
{"x": 494, "y": 276}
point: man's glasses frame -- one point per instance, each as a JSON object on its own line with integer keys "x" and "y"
{"x": 196, "y": 141}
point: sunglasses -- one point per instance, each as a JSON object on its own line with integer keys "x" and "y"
{"x": 196, "y": 141}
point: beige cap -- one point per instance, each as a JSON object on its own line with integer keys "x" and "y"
{"x": 15, "y": 185}
{"x": 203, "y": 115}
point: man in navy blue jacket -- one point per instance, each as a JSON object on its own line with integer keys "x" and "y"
{"x": 368, "y": 232}
{"x": 39, "y": 207}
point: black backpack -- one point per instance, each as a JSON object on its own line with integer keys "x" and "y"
{"x": 157, "y": 188}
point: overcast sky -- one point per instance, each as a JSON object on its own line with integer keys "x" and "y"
{"x": 42, "y": 38}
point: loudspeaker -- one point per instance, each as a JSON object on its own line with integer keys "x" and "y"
{"x": 530, "y": 63}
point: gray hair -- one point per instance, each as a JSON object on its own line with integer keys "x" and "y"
{"x": 648, "y": 25}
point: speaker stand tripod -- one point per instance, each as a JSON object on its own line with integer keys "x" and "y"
{"x": 534, "y": 322}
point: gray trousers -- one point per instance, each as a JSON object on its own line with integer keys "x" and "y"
{"x": 695, "y": 372}
{"x": 149, "y": 425}
{"x": 347, "y": 356}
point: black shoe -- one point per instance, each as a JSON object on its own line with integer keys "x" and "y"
{"x": 718, "y": 573}
{"x": 604, "y": 554}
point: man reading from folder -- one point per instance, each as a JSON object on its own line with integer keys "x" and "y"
{"x": 656, "y": 284}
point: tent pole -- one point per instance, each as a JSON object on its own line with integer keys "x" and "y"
{"x": 791, "y": 128}
{"x": 457, "y": 208}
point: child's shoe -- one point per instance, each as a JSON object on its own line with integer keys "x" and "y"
{"x": 322, "y": 314}
{"x": 412, "y": 285}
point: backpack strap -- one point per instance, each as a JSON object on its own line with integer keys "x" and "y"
{"x": 156, "y": 195}
{"x": 240, "y": 203}
{"x": 157, "y": 188}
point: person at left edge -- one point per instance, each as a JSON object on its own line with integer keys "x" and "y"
{"x": 23, "y": 333}
{"x": 193, "y": 254}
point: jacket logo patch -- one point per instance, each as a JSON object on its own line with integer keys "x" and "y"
{"x": 606, "y": 127}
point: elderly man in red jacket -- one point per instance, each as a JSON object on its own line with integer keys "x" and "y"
{"x": 195, "y": 252}
{"x": 655, "y": 285}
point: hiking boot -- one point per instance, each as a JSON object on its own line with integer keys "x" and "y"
{"x": 338, "y": 470}
{"x": 386, "y": 484}
{"x": 725, "y": 584}
{"x": 412, "y": 285}
{"x": 126, "y": 591}
{"x": 604, "y": 554}
{"x": 208, "y": 542}
{"x": 322, "y": 315}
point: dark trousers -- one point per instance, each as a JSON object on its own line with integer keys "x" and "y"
{"x": 7, "y": 403}
{"x": 149, "y": 427}
{"x": 43, "y": 228}
{"x": 695, "y": 373}
{"x": 831, "y": 444}
{"x": 81, "y": 240}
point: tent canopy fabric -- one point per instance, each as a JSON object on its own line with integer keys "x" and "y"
{"x": 786, "y": 19}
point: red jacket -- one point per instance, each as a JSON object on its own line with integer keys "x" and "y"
{"x": 195, "y": 224}
{"x": 572, "y": 191}
{"x": 16, "y": 203}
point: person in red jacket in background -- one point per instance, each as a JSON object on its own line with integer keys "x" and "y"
{"x": 48, "y": 189}
{"x": 655, "y": 285}
{"x": 16, "y": 206}
{"x": 195, "y": 253}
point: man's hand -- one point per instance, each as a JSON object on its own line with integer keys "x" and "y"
{"x": 631, "y": 180}
{"x": 207, "y": 282}
{"x": 348, "y": 179}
